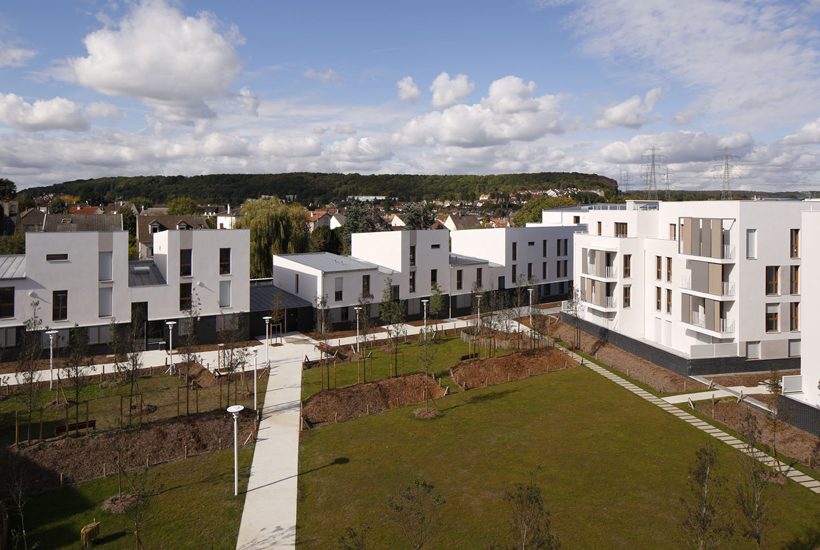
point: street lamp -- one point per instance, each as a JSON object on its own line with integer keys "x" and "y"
{"x": 171, "y": 344}
{"x": 255, "y": 353}
{"x": 424, "y": 302}
{"x": 235, "y": 410}
{"x": 478, "y": 316}
{"x": 530, "y": 289}
{"x": 267, "y": 341}
{"x": 358, "y": 313}
{"x": 51, "y": 334}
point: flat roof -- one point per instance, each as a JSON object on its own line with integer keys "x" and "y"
{"x": 144, "y": 273}
{"x": 13, "y": 266}
{"x": 460, "y": 259}
{"x": 262, "y": 298}
{"x": 330, "y": 263}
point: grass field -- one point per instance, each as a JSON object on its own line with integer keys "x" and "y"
{"x": 195, "y": 508}
{"x": 613, "y": 468}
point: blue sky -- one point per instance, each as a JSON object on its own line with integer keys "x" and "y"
{"x": 92, "y": 88}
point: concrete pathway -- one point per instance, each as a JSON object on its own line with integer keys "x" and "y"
{"x": 269, "y": 516}
{"x": 732, "y": 391}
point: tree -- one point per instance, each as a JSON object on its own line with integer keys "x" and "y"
{"x": 752, "y": 489}
{"x": 7, "y": 189}
{"x": 188, "y": 341}
{"x": 276, "y": 228}
{"x": 57, "y": 206}
{"x": 18, "y": 492}
{"x": 391, "y": 311}
{"x": 413, "y": 510}
{"x": 128, "y": 349}
{"x": 365, "y": 320}
{"x": 30, "y": 348}
{"x": 575, "y": 309}
{"x": 183, "y": 206}
{"x": 144, "y": 487}
{"x": 324, "y": 240}
{"x": 76, "y": 363}
{"x": 233, "y": 354}
{"x": 129, "y": 223}
{"x": 704, "y": 526}
{"x": 277, "y": 312}
{"x": 354, "y": 540}
{"x": 359, "y": 220}
{"x": 530, "y": 523}
{"x": 418, "y": 217}
{"x": 426, "y": 356}
{"x": 13, "y": 244}
{"x": 777, "y": 416}
{"x": 436, "y": 301}
{"x": 531, "y": 212}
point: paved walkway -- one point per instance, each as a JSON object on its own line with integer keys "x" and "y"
{"x": 732, "y": 391}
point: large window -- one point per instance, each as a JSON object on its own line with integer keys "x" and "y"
{"x": 339, "y": 285}
{"x": 627, "y": 266}
{"x": 59, "y": 305}
{"x": 106, "y": 271}
{"x": 7, "y": 302}
{"x": 433, "y": 276}
{"x": 751, "y": 244}
{"x": 366, "y": 285}
{"x": 478, "y": 277}
{"x": 185, "y": 262}
{"x": 412, "y": 281}
{"x": 224, "y": 293}
{"x": 669, "y": 269}
{"x": 794, "y": 316}
{"x": 184, "y": 296}
{"x": 771, "y": 317}
{"x": 658, "y": 298}
{"x": 459, "y": 279}
{"x": 658, "y": 267}
{"x": 627, "y": 296}
{"x": 224, "y": 261}
{"x": 794, "y": 286}
{"x": 514, "y": 251}
{"x": 668, "y": 301}
{"x": 412, "y": 256}
{"x": 105, "y": 302}
{"x": 771, "y": 280}
{"x": 620, "y": 229}
{"x": 794, "y": 243}
{"x": 544, "y": 248}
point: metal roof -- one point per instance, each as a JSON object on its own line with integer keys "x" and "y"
{"x": 144, "y": 273}
{"x": 458, "y": 259}
{"x": 13, "y": 266}
{"x": 330, "y": 263}
{"x": 83, "y": 222}
{"x": 262, "y": 298}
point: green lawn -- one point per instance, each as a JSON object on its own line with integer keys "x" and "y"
{"x": 614, "y": 468}
{"x": 195, "y": 509}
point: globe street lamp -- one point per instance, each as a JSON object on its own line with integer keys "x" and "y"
{"x": 530, "y": 289}
{"x": 478, "y": 316}
{"x": 51, "y": 334}
{"x": 267, "y": 341}
{"x": 171, "y": 344}
{"x": 235, "y": 410}
{"x": 424, "y": 302}
{"x": 255, "y": 353}
{"x": 358, "y": 313}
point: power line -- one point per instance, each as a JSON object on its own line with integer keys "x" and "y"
{"x": 653, "y": 161}
{"x": 725, "y": 174}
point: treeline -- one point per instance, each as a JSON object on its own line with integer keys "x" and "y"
{"x": 320, "y": 188}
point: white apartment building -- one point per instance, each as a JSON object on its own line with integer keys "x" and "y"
{"x": 84, "y": 278}
{"x": 712, "y": 282}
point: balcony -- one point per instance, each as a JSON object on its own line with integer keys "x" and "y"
{"x": 609, "y": 272}
{"x": 727, "y": 253}
{"x": 724, "y": 328}
{"x": 727, "y": 289}
{"x": 607, "y": 303}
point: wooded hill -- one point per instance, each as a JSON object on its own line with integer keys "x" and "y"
{"x": 319, "y": 188}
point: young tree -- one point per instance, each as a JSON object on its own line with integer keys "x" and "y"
{"x": 365, "y": 320}
{"x": 752, "y": 489}
{"x": 277, "y": 312}
{"x": 188, "y": 341}
{"x": 575, "y": 309}
{"x": 233, "y": 353}
{"x": 354, "y": 540}
{"x": 391, "y": 311}
{"x": 529, "y": 518}
{"x": 704, "y": 526}
{"x": 144, "y": 487}
{"x": 77, "y": 364}
{"x": 426, "y": 356}
{"x": 436, "y": 301}
{"x": 413, "y": 508}
{"x": 128, "y": 348}
{"x": 18, "y": 492}
{"x": 30, "y": 348}
{"x": 777, "y": 416}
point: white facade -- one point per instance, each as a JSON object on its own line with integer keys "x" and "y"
{"x": 691, "y": 277}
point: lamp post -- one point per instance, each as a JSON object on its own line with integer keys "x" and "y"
{"x": 51, "y": 334}
{"x": 255, "y": 353}
{"x": 530, "y": 289}
{"x": 267, "y": 341}
{"x": 171, "y": 344}
{"x": 358, "y": 313}
{"x": 235, "y": 410}
{"x": 478, "y": 316}
{"x": 424, "y": 303}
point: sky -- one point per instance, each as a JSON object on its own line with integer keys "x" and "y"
{"x": 92, "y": 88}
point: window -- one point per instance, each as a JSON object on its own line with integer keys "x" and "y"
{"x": 668, "y": 301}
{"x": 771, "y": 317}
{"x": 620, "y": 229}
{"x": 658, "y": 298}
{"x": 459, "y": 279}
{"x": 478, "y": 277}
{"x": 502, "y": 283}
{"x": 531, "y": 243}
{"x": 396, "y": 292}
{"x": 224, "y": 293}
{"x": 561, "y": 268}
{"x": 669, "y": 269}
{"x": 771, "y": 280}
{"x": 105, "y": 302}
{"x": 412, "y": 281}
{"x": 338, "y": 282}
{"x": 794, "y": 286}
{"x": 576, "y": 219}
{"x": 184, "y": 296}
{"x": 345, "y": 314}
{"x": 752, "y": 350}
{"x": 433, "y": 276}
{"x": 544, "y": 271}
{"x": 412, "y": 256}
{"x": 56, "y": 257}
{"x": 224, "y": 261}
{"x": 794, "y": 243}
{"x": 627, "y": 296}
{"x": 561, "y": 246}
{"x": 154, "y": 227}
{"x": 794, "y": 316}
{"x": 59, "y": 305}
{"x": 627, "y": 266}
{"x": 544, "y": 248}
{"x": 599, "y": 228}
{"x": 751, "y": 244}
{"x": 514, "y": 251}
{"x": 435, "y": 246}
{"x": 106, "y": 268}
{"x": 297, "y": 283}
{"x": 514, "y": 272}
{"x": 99, "y": 335}
{"x": 672, "y": 232}
{"x": 7, "y": 302}
{"x": 529, "y": 272}
{"x": 8, "y": 337}
{"x": 365, "y": 284}
{"x": 794, "y": 348}
{"x": 185, "y": 262}
{"x": 658, "y": 267}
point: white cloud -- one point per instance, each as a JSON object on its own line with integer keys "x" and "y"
{"x": 53, "y": 114}
{"x": 325, "y": 77}
{"x": 408, "y": 91}
{"x": 14, "y": 57}
{"x": 508, "y": 113}
{"x": 808, "y": 133}
{"x": 170, "y": 62}
{"x": 249, "y": 101}
{"x": 680, "y": 118}
{"x": 288, "y": 146}
{"x": 632, "y": 113}
{"x": 678, "y": 147}
{"x": 447, "y": 92}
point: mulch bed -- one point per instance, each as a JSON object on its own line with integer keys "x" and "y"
{"x": 82, "y": 458}
{"x": 10, "y": 367}
{"x": 794, "y": 443}
{"x": 357, "y": 400}
{"x": 480, "y": 373}
{"x": 343, "y": 334}
{"x": 650, "y": 374}
{"x": 748, "y": 380}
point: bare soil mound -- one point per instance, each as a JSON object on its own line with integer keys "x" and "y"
{"x": 480, "y": 373}
{"x": 748, "y": 380}
{"x": 201, "y": 376}
{"x": 424, "y": 414}
{"x": 118, "y": 504}
{"x": 356, "y": 400}
{"x": 652, "y": 375}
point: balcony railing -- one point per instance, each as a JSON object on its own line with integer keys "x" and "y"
{"x": 728, "y": 252}
{"x": 698, "y": 320}
{"x": 725, "y": 326}
{"x": 606, "y": 301}
{"x": 610, "y": 272}
{"x": 726, "y": 288}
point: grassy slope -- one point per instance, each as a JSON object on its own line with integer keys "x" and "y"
{"x": 196, "y": 508}
{"x": 614, "y": 467}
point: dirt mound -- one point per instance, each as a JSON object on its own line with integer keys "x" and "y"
{"x": 118, "y": 504}
{"x": 424, "y": 414}
{"x": 480, "y": 373}
{"x": 354, "y": 401}
{"x": 113, "y": 383}
{"x": 201, "y": 376}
